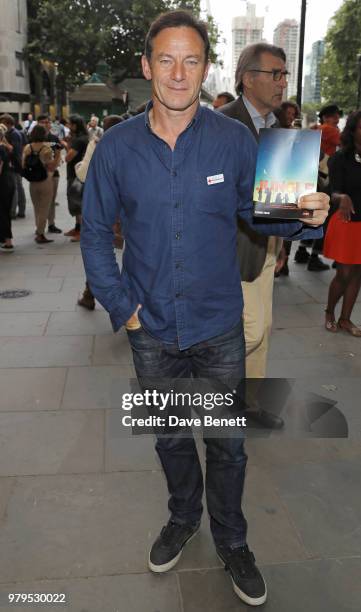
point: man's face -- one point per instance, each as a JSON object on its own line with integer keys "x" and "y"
{"x": 218, "y": 102}
{"x": 265, "y": 93}
{"x": 290, "y": 115}
{"x": 93, "y": 122}
{"x": 332, "y": 119}
{"x": 46, "y": 123}
{"x": 177, "y": 67}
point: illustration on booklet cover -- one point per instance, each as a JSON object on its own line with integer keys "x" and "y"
{"x": 287, "y": 167}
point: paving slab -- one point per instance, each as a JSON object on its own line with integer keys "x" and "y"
{"x": 326, "y": 366}
{"x": 51, "y": 442}
{"x": 68, "y": 271}
{"x": 31, "y": 388}
{"x": 50, "y": 258}
{"x": 40, "y": 302}
{"x": 80, "y": 322}
{"x": 291, "y": 294}
{"x": 23, "y": 324}
{"x": 324, "y": 504}
{"x": 81, "y": 525}
{"x": 112, "y": 349}
{"x": 96, "y": 387}
{"x": 311, "y": 342}
{"x": 332, "y": 585}
{"x": 132, "y": 453}
{"x": 40, "y": 271}
{"x": 45, "y": 351}
{"x": 20, "y": 280}
{"x": 132, "y": 593}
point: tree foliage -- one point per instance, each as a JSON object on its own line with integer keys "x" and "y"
{"x": 339, "y": 71}
{"x": 77, "y": 34}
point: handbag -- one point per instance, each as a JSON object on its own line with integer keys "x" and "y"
{"x": 75, "y": 196}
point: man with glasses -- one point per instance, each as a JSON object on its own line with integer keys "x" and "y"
{"x": 261, "y": 78}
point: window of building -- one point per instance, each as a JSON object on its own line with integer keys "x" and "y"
{"x": 19, "y": 61}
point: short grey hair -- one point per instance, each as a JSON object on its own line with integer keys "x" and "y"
{"x": 250, "y": 59}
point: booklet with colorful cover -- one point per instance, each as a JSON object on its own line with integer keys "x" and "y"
{"x": 287, "y": 167}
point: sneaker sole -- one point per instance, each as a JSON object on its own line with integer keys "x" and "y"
{"x": 251, "y": 601}
{"x": 160, "y": 569}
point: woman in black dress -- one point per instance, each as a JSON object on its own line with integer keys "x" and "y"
{"x": 343, "y": 237}
{"x": 7, "y": 189}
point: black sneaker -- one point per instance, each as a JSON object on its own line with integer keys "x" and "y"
{"x": 52, "y": 229}
{"x": 167, "y": 549}
{"x": 302, "y": 256}
{"x": 316, "y": 264}
{"x": 247, "y": 580}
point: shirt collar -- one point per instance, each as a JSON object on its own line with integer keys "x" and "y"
{"x": 195, "y": 122}
{"x": 259, "y": 120}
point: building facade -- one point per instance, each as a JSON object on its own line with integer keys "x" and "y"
{"x": 317, "y": 53}
{"x": 246, "y": 30}
{"x": 286, "y": 35}
{"x": 14, "y": 74}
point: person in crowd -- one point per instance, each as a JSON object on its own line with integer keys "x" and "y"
{"x": 94, "y": 129}
{"x": 76, "y": 148}
{"x": 29, "y": 123}
{"x": 287, "y": 113}
{"x": 179, "y": 293}
{"x": 66, "y": 127}
{"x": 343, "y": 236}
{"x": 222, "y": 98}
{"x": 57, "y": 129}
{"x": 14, "y": 138}
{"x": 87, "y": 300}
{"x": 41, "y": 192}
{"x": 7, "y": 188}
{"x": 56, "y": 146}
{"x": 329, "y": 117}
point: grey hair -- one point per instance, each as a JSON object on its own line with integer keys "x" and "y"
{"x": 250, "y": 60}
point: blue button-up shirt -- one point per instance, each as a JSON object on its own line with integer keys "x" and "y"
{"x": 179, "y": 223}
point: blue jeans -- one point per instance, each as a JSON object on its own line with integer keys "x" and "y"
{"x": 222, "y": 360}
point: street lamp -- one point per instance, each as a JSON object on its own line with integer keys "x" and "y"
{"x": 300, "y": 52}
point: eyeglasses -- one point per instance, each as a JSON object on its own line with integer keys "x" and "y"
{"x": 276, "y": 74}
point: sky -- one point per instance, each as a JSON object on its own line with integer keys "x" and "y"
{"x": 274, "y": 11}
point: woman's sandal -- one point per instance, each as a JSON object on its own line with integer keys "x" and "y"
{"x": 352, "y": 329}
{"x": 330, "y": 324}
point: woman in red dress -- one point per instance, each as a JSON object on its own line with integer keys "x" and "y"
{"x": 343, "y": 237}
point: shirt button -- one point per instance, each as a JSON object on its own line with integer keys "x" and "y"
{"x": 178, "y": 235}
{"x": 178, "y": 295}
{"x": 177, "y": 205}
{"x": 174, "y": 173}
{"x": 177, "y": 265}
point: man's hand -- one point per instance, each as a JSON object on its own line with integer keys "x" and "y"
{"x": 319, "y": 203}
{"x": 133, "y": 322}
{"x": 345, "y": 208}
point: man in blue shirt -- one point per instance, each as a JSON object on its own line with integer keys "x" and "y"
{"x": 177, "y": 176}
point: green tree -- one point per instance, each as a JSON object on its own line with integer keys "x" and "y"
{"x": 339, "y": 66}
{"x": 77, "y": 34}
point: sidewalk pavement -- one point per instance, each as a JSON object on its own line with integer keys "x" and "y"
{"x": 80, "y": 507}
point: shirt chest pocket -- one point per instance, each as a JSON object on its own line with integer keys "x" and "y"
{"x": 215, "y": 192}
